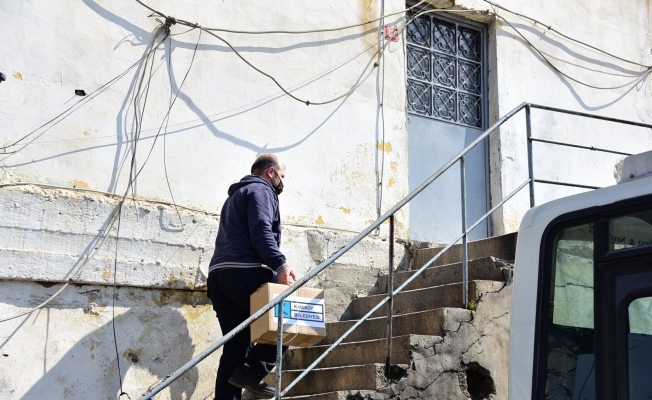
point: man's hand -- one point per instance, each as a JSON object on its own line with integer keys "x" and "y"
{"x": 286, "y": 276}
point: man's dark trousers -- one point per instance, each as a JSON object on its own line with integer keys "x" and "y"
{"x": 229, "y": 291}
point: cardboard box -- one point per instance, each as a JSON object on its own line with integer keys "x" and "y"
{"x": 304, "y": 317}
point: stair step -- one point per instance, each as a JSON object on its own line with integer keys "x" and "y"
{"x": 503, "y": 247}
{"x": 480, "y": 269}
{"x": 325, "y": 380}
{"x": 354, "y": 353}
{"x": 340, "y": 395}
{"x": 422, "y": 299}
{"x": 429, "y": 322}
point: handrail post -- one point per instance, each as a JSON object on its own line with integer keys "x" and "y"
{"x": 465, "y": 256}
{"x": 530, "y": 163}
{"x": 390, "y": 292}
{"x": 279, "y": 351}
{"x": 324, "y": 264}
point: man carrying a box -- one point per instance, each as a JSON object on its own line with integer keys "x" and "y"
{"x": 247, "y": 256}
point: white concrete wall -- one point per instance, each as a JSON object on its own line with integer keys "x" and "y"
{"x": 518, "y": 74}
{"x": 226, "y": 114}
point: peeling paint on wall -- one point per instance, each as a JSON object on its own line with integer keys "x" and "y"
{"x": 385, "y": 146}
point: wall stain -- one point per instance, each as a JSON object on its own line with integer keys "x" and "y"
{"x": 319, "y": 220}
{"x": 393, "y": 166}
{"x": 368, "y": 14}
{"x": 106, "y": 273}
{"x": 193, "y": 313}
{"x": 385, "y": 146}
{"x": 390, "y": 182}
{"x": 345, "y": 210}
{"x": 80, "y": 184}
{"x": 86, "y": 133}
{"x": 194, "y": 299}
{"x": 17, "y": 75}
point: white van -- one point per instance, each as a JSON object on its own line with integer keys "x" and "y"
{"x": 581, "y": 325}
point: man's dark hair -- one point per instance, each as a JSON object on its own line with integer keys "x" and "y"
{"x": 263, "y": 162}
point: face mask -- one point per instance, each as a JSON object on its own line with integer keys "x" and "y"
{"x": 279, "y": 188}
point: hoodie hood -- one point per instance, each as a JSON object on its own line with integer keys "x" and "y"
{"x": 248, "y": 180}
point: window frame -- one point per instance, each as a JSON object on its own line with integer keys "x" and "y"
{"x": 599, "y": 216}
{"x": 484, "y": 74}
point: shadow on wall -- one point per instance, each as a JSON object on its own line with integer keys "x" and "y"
{"x": 596, "y": 66}
{"x": 152, "y": 339}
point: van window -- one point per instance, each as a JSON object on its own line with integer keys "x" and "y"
{"x": 572, "y": 295}
{"x": 570, "y": 366}
{"x": 631, "y": 231}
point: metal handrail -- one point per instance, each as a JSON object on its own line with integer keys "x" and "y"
{"x": 390, "y": 215}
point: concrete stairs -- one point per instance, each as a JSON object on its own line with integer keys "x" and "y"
{"x": 424, "y": 312}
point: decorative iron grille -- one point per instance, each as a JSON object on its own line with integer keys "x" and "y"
{"x": 445, "y": 71}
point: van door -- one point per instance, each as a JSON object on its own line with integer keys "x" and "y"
{"x": 594, "y": 338}
{"x": 624, "y": 308}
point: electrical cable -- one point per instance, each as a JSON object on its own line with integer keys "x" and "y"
{"x": 271, "y": 97}
{"x": 378, "y": 54}
{"x": 382, "y": 114}
{"x": 550, "y": 28}
{"x": 115, "y": 273}
{"x": 285, "y": 31}
{"x": 556, "y": 69}
{"x": 133, "y": 176}
{"x": 96, "y": 244}
{"x": 165, "y": 132}
{"x": 138, "y": 116}
{"x": 288, "y": 93}
{"x": 171, "y": 105}
{"x": 643, "y": 74}
{"x": 84, "y": 100}
{"x": 196, "y": 26}
{"x": 117, "y": 211}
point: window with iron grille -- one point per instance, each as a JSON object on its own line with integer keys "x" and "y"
{"x": 446, "y": 70}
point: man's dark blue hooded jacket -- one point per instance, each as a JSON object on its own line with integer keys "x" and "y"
{"x": 250, "y": 227}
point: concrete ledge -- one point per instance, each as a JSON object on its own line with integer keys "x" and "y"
{"x": 49, "y": 233}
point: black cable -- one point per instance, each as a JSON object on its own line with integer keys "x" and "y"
{"x": 139, "y": 112}
{"x": 115, "y": 272}
{"x": 550, "y": 28}
{"x": 165, "y": 132}
{"x": 170, "y": 108}
{"x": 382, "y": 114}
{"x": 643, "y": 74}
{"x": 167, "y": 119}
{"x": 283, "y": 31}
